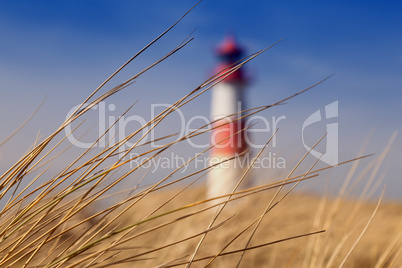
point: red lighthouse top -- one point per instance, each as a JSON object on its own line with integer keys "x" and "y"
{"x": 229, "y": 52}
{"x": 229, "y": 47}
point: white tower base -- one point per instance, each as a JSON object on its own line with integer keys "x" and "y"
{"x": 223, "y": 178}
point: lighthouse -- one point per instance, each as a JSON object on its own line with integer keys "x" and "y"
{"x": 228, "y": 137}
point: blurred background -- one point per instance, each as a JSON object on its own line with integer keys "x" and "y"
{"x": 65, "y": 49}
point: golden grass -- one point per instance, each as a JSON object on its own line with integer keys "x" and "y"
{"x": 71, "y": 220}
{"x": 297, "y": 214}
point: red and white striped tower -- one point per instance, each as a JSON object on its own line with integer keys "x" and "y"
{"x": 228, "y": 138}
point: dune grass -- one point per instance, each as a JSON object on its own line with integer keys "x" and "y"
{"x": 77, "y": 218}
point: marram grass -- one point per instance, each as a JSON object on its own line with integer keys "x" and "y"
{"x": 77, "y": 218}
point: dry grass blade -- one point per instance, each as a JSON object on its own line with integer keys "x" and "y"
{"x": 364, "y": 230}
{"x": 276, "y": 194}
{"x": 135, "y": 56}
{"x": 388, "y": 250}
{"x": 98, "y": 210}
{"x": 251, "y": 248}
{"x": 220, "y": 209}
{"x": 23, "y": 124}
{"x": 259, "y": 218}
{"x": 177, "y": 242}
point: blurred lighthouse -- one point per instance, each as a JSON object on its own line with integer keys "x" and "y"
{"x": 228, "y": 135}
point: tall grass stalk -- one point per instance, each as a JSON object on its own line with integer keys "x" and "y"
{"x": 75, "y": 218}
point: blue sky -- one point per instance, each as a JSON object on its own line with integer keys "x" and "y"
{"x": 64, "y": 50}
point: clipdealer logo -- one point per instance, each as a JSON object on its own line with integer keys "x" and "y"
{"x": 117, "y": 132}
{"x": 330, "y": 156}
